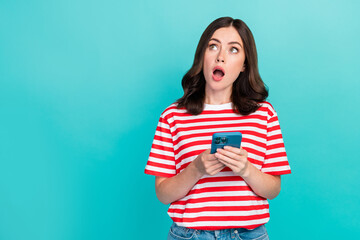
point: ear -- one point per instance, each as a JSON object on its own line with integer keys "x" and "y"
{"x": 243, "y": 68}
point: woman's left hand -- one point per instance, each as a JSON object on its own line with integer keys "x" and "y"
{"x": 235, "y": 159}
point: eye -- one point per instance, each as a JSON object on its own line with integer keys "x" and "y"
{"x": 234, "y": 50}
{"x": 213, "y": 47}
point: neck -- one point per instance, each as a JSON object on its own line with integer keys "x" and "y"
{"x": 217, "y": 97}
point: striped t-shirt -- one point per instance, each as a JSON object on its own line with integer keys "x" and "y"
{"x": 223, "y": 200}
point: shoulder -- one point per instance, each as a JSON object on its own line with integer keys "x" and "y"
{"x": 171, "y": 110}
{"x": 268, "y": 107}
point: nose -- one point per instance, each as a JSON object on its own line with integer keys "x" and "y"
{"x": 220, "y": 57}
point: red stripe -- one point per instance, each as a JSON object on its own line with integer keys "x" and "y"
{"x": 213, "y": 228}
{"x": 219, "y": 189}
{"x": 256, "y": 143}
{"x": 257, "y": 162}
{"x": 256, "y": 152}
{"x": 221, "y": 199}
{"x": 160, "y": 156}
{"x": 161, "y": 165}
{"x": 274, "y": 146}
{"x": 217, "y": 119}
{"x": 220, "y": 179}
{"x": 164, "y": 130}
{"x": 166, "y": 113}
{"x": 222, "y": 219}
{"x": 162, "y": 148}
{"x": 163, "y": 139}
{"x": 230, "y": 125}
{"x": 246, "y": 135}
{"x": 274, "y": 137}
{"x": 191, "y": 144}
{"x": 159, "y": 174}
{"x": 274, "y": 128}
{"x": 279, "y": 172}
{"x": 188, "y": 154}
{"x": 275, "y": 155}
{"x": 275, "y": 164}
{"x": 219, "y": 209}
{"x": 273, "y": 119}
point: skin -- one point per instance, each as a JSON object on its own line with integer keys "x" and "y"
{"x": 225, "y": 49}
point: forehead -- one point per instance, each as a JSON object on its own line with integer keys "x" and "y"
{"x": 227, "y": 34}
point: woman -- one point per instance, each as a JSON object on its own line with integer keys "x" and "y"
{"x": 222, "y": 194}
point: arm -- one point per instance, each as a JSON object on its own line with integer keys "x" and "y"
{"x": 171, "y": 189}
{"x": 264, "y": 185}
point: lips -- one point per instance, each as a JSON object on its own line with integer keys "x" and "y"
{"x": 218, "y": 73}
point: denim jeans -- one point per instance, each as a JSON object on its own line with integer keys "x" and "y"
{"x": 181, "y": 233}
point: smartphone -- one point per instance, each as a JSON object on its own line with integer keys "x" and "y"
{"x": 219, "y": 140}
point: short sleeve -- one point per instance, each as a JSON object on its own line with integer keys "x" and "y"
{"x": 161, "y": 161}
{"x": 276, "y": 162}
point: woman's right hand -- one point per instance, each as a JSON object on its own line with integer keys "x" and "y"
{"x": 207, "y": 163}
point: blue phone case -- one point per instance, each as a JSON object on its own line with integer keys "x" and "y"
{"x": 219, "y": 140}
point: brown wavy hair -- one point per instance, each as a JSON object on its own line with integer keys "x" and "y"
{"x": 248, "y": 90}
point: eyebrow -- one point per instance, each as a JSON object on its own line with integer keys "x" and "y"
{"x": 216, "y": 40}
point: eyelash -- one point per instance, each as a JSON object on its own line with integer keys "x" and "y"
{"x": 237, "y": 50}
{"x": 211, "y": 47}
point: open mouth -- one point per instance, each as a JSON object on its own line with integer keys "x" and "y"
{"x": 218, "y": 73}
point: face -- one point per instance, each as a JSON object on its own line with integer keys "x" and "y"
{"x": 223, "y": 60}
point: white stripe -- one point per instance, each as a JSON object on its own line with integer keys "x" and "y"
{"x": 160, "y": 170}
{"x": 163, "y": 134}
{"x": 186, "y": 132}
{"x": 191, "y": 140}
{"x": 164, "y": 144}
{"x": 244, "y": 144}
{"x": 238, "y": 183}
{"x": 220, "y": 121}
{"x": 218, "y": 194}
{"x": 276, "y": 150}
{"x": 222, "y": 223}
{"x": 216, "y": 115}
{"x": 220, "y": 129}
{"x": 185, "y": 161}
{"x": 162, "y": 161}
{"x": 162, "y": 152}
{"x": 275, "y": 169}
{"x": 275, "y": 141}
{"x": 191, "y": 158}
{"x": 253, "y": 146}
{"x": 220, "y": 213}
{"x": 278, "y": 159}
{"x": 273, "y": 124}
{"x": 273, "y": 133}
{"x": 163, "y": 125}
{"x": 219, "y": 204}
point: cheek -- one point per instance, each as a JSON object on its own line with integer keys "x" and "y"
{"x": 206, "y": 64}
{"x": 238, "y": 66}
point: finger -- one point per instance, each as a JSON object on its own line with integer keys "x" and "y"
{"x": 216, "y": 168}
{"x": 233, "y": 149}
{"x": 239, "y": 151}
{"x": 211, "y": 164}
{"x": 228, "y": 161}
{"x": 230, "y": 154}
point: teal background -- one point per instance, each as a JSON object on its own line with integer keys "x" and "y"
{"x": 83, "y": 83}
